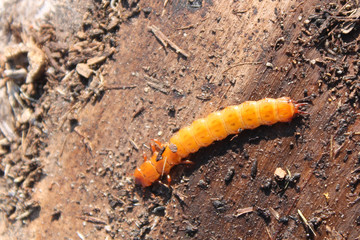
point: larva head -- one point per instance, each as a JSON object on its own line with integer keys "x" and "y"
{"x": 286, "y": 109}
{"x": 140, "y": 179}
{"x": 146, "y": 174}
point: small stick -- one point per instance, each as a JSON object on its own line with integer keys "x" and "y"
{"x": 306, "y": 222}
{"x": 135, "y": 146}
{"x": 165, "y": 3}
{"x": 165, "y": 41}
{"x": 93, "y": 220}
{"x": 52, "y": 60}
{"x": 138, "y": 111}
{"x": 163, "y": 11}
{"x": 337, "y": 151}
{"x": 222, "y": 97}
{"x": 331, "y": 147}
{"x": 275, "y": 213}
{"x": 63, "y": 146}
{"x": 236, "y": 12}
{"x": 268, "y": 232}
{"x": 243, "y": 211}
{"x": 119, "y": 87}
{"x": 241, "y": 64}
{"x": 86, "y": 141}
{"x": 192, "y": 25}
{"x": 157, "y": 87}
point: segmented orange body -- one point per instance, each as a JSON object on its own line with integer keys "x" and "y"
{"x": 216, "y": 126}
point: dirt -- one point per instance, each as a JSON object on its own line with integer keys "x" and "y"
{"x": 140, "y": 70}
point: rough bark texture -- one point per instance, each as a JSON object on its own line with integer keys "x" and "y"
{"x": 237, "y": 51}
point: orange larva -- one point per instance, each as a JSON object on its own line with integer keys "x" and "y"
{"x": 216, "y": 126}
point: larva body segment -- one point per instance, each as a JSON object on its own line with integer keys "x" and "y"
{"x": 201, "y": 132}
{"x": 216, "y": 126}
{"x": 177, "y": 141}
{"x": 187, "y": 140}
{"x": 267, "y": 108}
{"x": 232, "y": 119}
{"x": 250, "y": 116}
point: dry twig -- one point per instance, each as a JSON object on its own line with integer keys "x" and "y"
{"x": 165, "y": 41}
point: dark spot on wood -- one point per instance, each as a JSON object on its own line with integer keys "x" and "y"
{"x": 316, "y": 221}
{"x": 246, "y": 154}
{"x": 219, "y": 205}
{"x": 284, "y": 220}
{"x": 266, "y": 186}
{"x": 264, "y": 213}
{"x": 160, "y": 210}
{"x": 254, "y": 169}
{"x": 202, "y": 184}
{"x": 56, "y": 216}
{"x": 295, "y": 178}
{"x": 191, "y": 230}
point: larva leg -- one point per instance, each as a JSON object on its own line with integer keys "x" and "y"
{"x": 168, "y": 177}
{"x": 145, "y": 157}
{"x": 168, "y": 180}
{"x": 157, "y": 142}
{"x": 302, "y": 112}
{"x": 152, "y": 147}
{"x": 187, "y": 162}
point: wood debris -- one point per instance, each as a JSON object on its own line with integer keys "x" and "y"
{"x": 157, "y": 85}
{"x": 94, "y": 220}
{"x": 135, "y": 146}
{"x": 138, "y": 111}
{"x": 243, "y": 211}
{"x": 35, "y": 57}
{"x": 334, "y": 235}
{"x": 7, "y": 126}
{"x": 166, "y": 42}
{"x": 274, "y": 213}
{"x": 306, "y": 222}
{"x": 84, "y": 70}
{"x": 95, "y": 60}
{"x": 279, "y": 174}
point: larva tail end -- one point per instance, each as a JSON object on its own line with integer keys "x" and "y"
{"x": 299, "y": 111}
